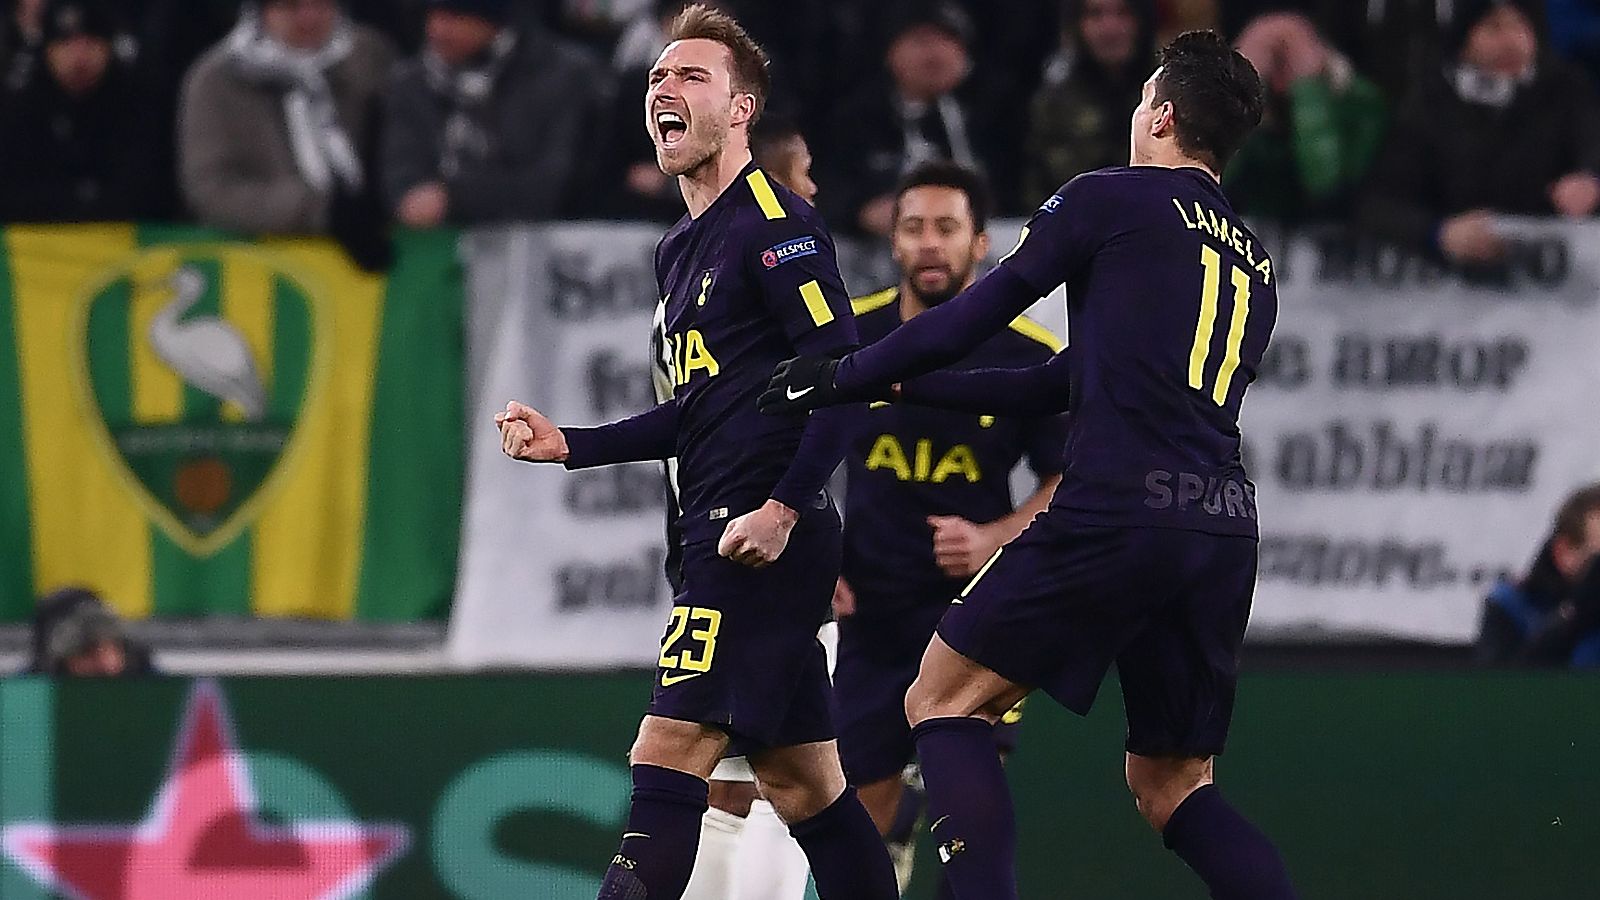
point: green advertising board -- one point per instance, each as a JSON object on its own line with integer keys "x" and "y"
{"x": 490, "y": 788}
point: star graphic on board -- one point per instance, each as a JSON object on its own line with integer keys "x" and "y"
{"x": 203, "y": 837}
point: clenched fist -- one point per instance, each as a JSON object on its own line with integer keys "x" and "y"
{"x": 757, "y": 539}
{"x": 961, "y": 547}
{"x": 527, "y": 435}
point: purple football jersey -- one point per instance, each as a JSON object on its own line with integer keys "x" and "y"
{"x": 1171, "y": 301}
{"x": 750, "y": 283}
{"x": 907, "y": 462}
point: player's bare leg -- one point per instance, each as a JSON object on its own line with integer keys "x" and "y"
{"x": 1161, "y": 783}
{"x": 953, "y": 707}
{"x": 1177, "y": 796}
{"x": 732, "y": 797}
{"x": 671, "y": 761}
{"x": 806, "y": 786}
{"x": 799, "y": 781}
{"x": 882, "y": 800}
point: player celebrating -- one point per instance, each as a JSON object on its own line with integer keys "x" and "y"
{"x": 1147, "y": 554}
{"x": 929, "y": 497}
{"x": 746, "y": 852}
{"x": 750, "y": 278}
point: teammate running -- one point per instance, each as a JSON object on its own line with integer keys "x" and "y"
{"x": 1146, "y": 557}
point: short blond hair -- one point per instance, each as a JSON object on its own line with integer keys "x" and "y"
{"x": 749, "y": 74}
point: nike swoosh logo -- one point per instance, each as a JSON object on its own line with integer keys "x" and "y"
{"x": 670, "y": 680}
{"x": 958, "y": 602}
{"x": 634, "y": 834}
{"x": 793, "y": 394}
{"x": 937, "y": 823}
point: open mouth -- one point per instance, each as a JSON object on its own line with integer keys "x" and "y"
{"x": 671, "y": 127}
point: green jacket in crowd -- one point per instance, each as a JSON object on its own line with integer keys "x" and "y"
{"x": 1311, "y": 152}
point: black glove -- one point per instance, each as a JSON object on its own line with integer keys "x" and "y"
{"x": 800, "y": 384}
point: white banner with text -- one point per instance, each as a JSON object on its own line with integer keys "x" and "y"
{"x": 1413, "y": 430}
{"x": 1410, "y": 436}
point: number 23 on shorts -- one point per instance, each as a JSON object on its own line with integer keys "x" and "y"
{"x": 691, "y": 642}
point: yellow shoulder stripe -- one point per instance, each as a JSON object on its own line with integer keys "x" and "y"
{"x": 816, "y": 304}
{"x": 765, "y": 197}
{"x": 863, "y": 305}
{"x": 1028, "y": 328}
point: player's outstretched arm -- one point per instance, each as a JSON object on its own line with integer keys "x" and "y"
{"x": 1034, "y": 391}
{"x": 528, "y": 435}
{"x": 942, "y": 335}
{"x": 1061, "y": 237}
{"x": 936, "y": 338}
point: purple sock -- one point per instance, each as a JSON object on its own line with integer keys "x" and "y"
{"x": 1233, "y": 858}
{"x": 969, "y": 804}
{"x": 848, "y": 859}
{"x": 663, "y": 833}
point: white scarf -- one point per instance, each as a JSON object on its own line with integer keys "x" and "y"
{"x": 468, "y": 132}
{"x": 1485, "y": 88}
{"x": 323, "y": 151}
{"x": 918, "y": 149}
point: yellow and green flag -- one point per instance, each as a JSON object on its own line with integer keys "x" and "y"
{"x": 194, "y": 425}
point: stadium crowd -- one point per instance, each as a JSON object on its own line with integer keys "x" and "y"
{"x": 1413, "y": 119}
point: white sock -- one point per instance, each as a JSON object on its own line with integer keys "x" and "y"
{"x": 770, "y": 865}
{"x": 715, "y": 860}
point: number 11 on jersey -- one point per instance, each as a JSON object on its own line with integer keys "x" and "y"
{"x": 1211, "y": 261}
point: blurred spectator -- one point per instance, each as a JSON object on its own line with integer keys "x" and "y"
{"x": 624, "y": 29}
{"x": 490, "y": 123}
{"x": 643, "y": 38}
{"x": 891, "y": 126}
{"x": 1503, "y": 128}
{"x": 76, "y": 634}
{"x": 781, "y": 150}
{"x": 21, "y": 41}
{"x": 634, "y": 185}
{"x": 1015, "y": 41}
{"x": 598, "y": 23}
{"x": 75, "y": 143}
{"x": 277, "y": 124}
{"x": 1552, "y": 616}
{"x": 1080, "y": 116}
{"x": 1323, "y": 126}
{"x": 1393, "y": 43}
{"x": 172, "y": 34}
{"x": 399, "y": 20}
{"x": 1174, "y": 17}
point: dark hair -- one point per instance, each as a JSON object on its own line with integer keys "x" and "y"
{"x": 749, "y": 74}
{"x": 1572, "y": 519}
{"x": 944, "y": 173}
{"x": 1216, "y": 95}
{"x": 65, "y": 623}
{"x": 768, "y": 139}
